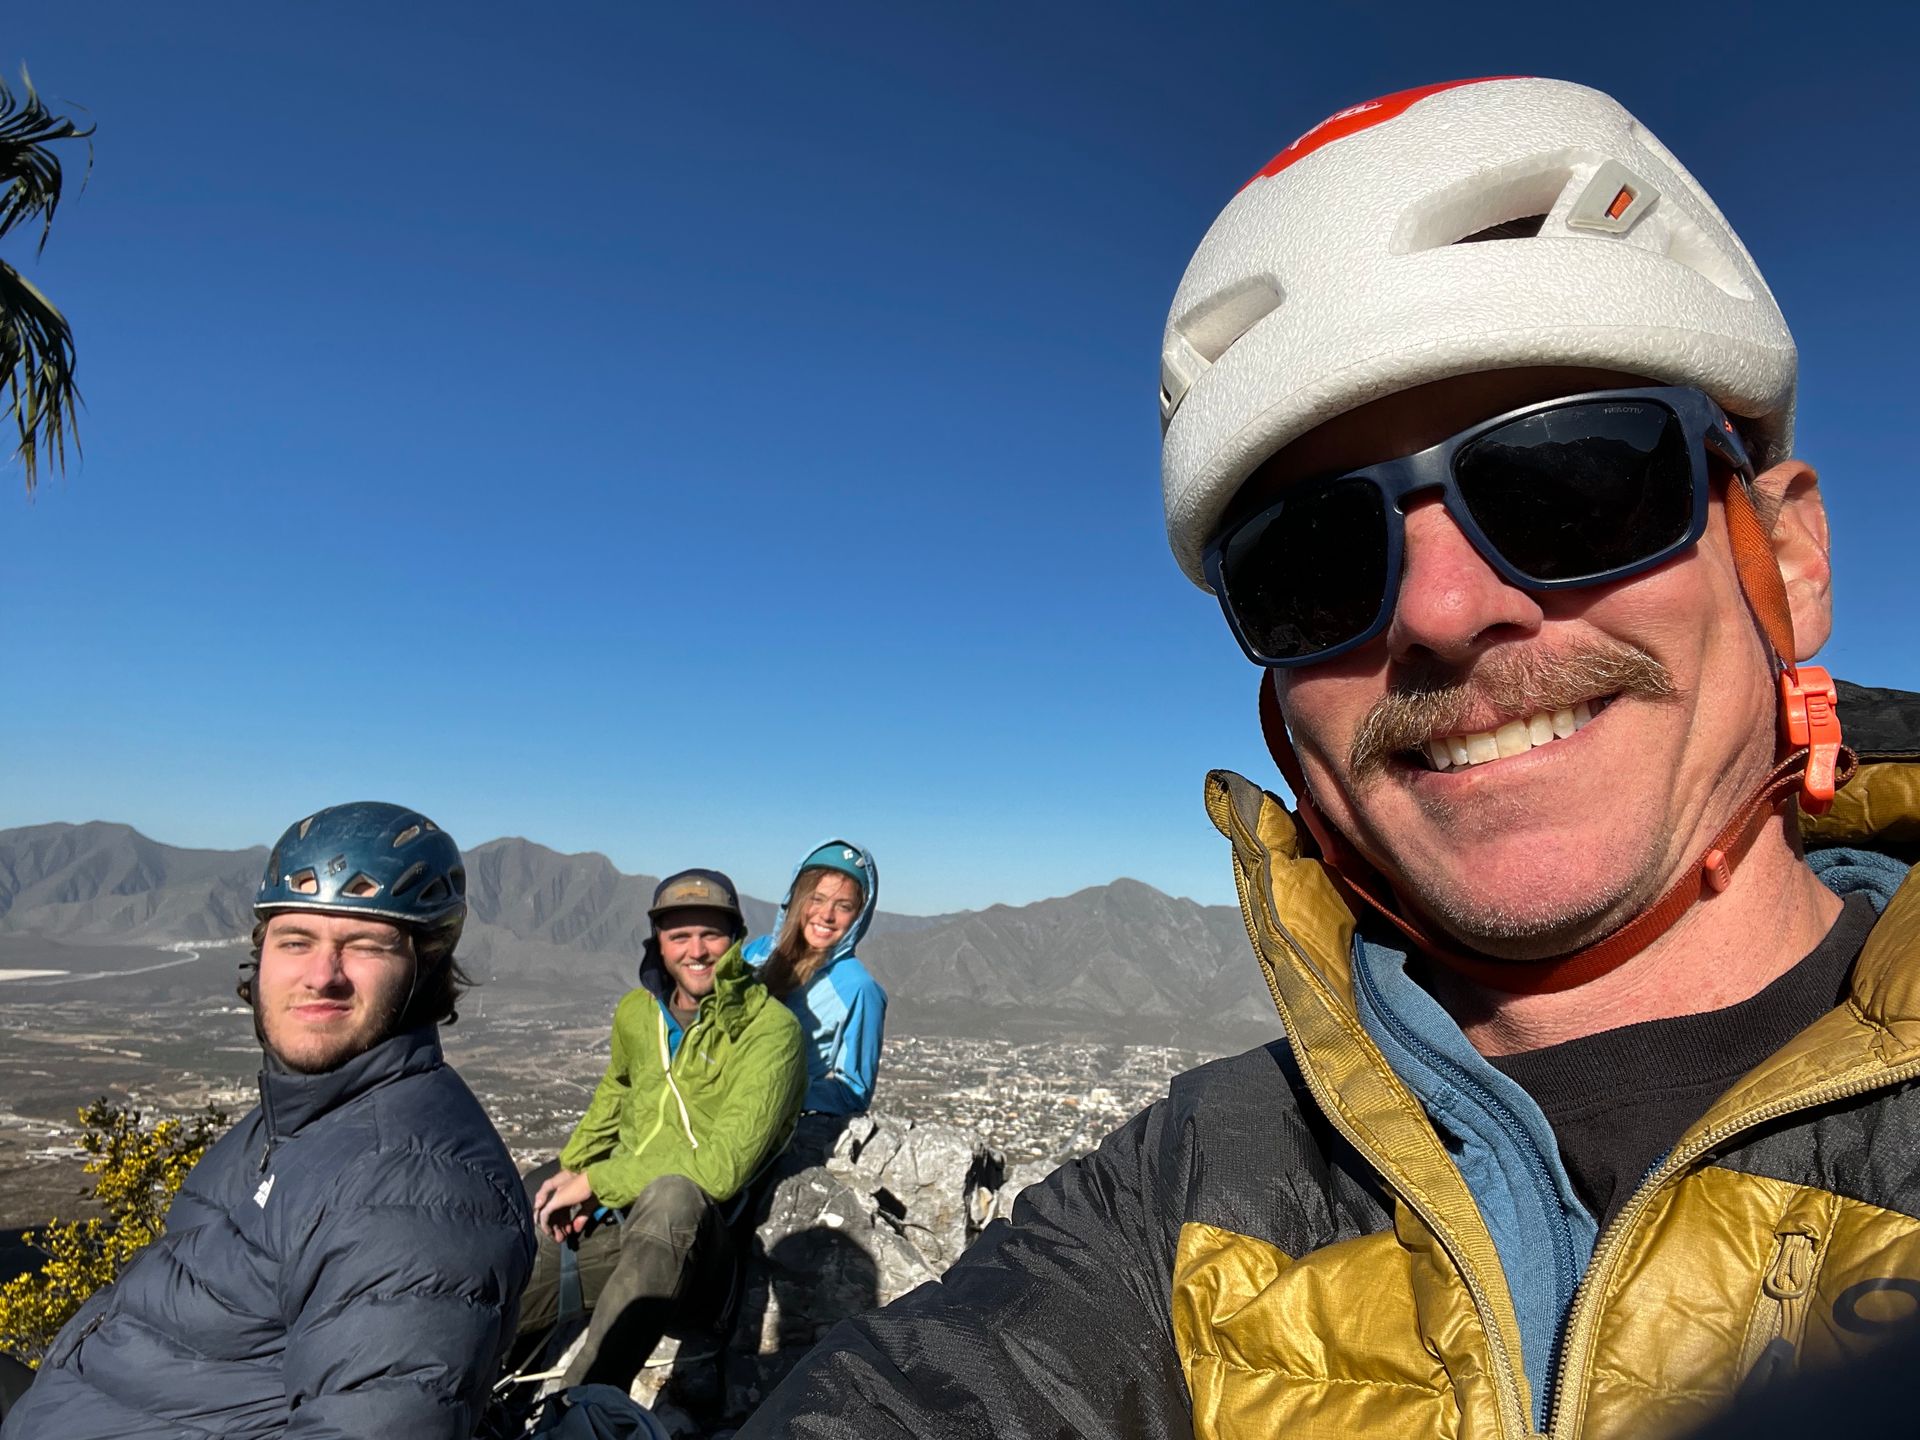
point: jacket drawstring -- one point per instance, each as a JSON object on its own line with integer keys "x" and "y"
{"x": 666, "y": 1064}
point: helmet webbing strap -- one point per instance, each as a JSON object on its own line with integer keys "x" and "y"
{"x": 1816, "y": 766}
{"x": 1807, "y": 692}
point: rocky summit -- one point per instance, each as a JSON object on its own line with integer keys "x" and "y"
{"x": 887, "y": 1206}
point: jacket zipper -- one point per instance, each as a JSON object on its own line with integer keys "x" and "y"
{"x": 1576, "y": 1348}
{"x": 1514, "y": 1419}
{"x": 266, "y": 1111}
{"x": 60, "y": 1353}
{"x": 1491, "y": 1105}
{"x": 1779, "y": 1316}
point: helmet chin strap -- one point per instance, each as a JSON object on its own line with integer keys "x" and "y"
{"x": 1814, "y": 767}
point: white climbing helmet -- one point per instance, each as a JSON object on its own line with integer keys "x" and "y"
{"x": 1340, "y": 273}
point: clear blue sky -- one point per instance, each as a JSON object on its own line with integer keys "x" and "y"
{"x": 687, "y": 431}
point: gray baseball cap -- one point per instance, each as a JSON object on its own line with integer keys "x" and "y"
{"x": 696, "y": 889}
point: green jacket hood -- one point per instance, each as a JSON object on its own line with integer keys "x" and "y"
{"x": 735, "y": 998}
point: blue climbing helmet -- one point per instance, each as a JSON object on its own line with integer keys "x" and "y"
{"x": 368, "y": 858}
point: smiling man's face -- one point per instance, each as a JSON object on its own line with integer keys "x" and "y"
{"x": 691, "y": 940}
{"x": 1555, "y": 838}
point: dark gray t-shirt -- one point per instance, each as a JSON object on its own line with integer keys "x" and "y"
{"x": 1619, "y": 1100}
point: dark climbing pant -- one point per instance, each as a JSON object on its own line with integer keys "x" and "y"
{"x": 668, "y": 1265}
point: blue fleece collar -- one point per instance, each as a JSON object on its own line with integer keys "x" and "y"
{"x": 1846, "y": 872}
{"x": 1502, "y": 1143}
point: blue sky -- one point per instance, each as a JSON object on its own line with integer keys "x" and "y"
{"x": 686, "y": 432}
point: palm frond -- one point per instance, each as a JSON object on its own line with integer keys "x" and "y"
{"x": 36, "y": 374}
{"x": 30, "y": 172}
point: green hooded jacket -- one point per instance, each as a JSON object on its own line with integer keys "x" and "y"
{"x": 715, "y": 1110}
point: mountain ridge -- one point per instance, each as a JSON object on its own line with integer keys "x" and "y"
{"x": 1121, "y": 959}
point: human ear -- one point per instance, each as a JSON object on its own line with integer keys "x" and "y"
{"x": 1788, "y": 498}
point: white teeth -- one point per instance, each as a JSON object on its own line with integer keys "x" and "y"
{"x": 1515, "y": 737}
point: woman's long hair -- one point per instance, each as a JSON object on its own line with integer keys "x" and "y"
{"x": 788, "y": 965}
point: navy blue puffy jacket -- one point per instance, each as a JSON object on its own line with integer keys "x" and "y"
{"x": 346, "y": 1261}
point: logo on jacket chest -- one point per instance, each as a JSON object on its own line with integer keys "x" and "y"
{"x": 266, "y": 1189}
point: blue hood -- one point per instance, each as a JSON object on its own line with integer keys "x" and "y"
{"x": 855, "y": 861}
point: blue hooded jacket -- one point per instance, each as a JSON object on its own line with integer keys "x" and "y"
{"x": 842, "y": 1009}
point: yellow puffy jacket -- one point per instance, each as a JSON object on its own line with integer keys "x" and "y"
{"x": 1285, "y": 1247}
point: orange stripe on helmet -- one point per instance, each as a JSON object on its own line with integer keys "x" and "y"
{"x": 1355, "y": 118}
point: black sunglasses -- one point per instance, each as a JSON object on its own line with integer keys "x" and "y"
{"x": 1582, "y": 490}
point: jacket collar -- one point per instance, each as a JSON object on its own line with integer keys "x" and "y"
{"x": 1303, "y": 936}
{"x": 292, "y": 1100}
{"x": 726, "y": 1005}
{"x": 1855, "y": 1046}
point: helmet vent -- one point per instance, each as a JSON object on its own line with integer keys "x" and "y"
{"x": 412, "y": 832}
{"x": 410, "y": 878}
{"x": 458, "y": 877}
{"x": 1480, "y": 207}
{"x": 306, "y": 825}
{"x": 1199, "y": 338}
{"x": 434, "y": 894}
{"x": 1525, "y": 228}
{"x": 304, "y": 882}
{"x": 361, "y": 887}
{"x": 1688, "y": 245}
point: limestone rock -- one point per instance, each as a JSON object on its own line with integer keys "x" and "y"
{"x": 845, "y": 1223}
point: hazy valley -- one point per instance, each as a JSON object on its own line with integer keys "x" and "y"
{"x": 1040, "y": 1026}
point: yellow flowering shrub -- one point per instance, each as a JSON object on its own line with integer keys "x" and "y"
{"x": 137, "y": 1169}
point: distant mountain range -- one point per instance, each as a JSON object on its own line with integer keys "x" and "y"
{"x": 1118, "y": 961}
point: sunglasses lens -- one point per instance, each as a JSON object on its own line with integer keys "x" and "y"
{"x": 1308, "y": 573}
{"x": 1578, "y": 492}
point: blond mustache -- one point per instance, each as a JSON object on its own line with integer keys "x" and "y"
{"x": 1436, "y": 701}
